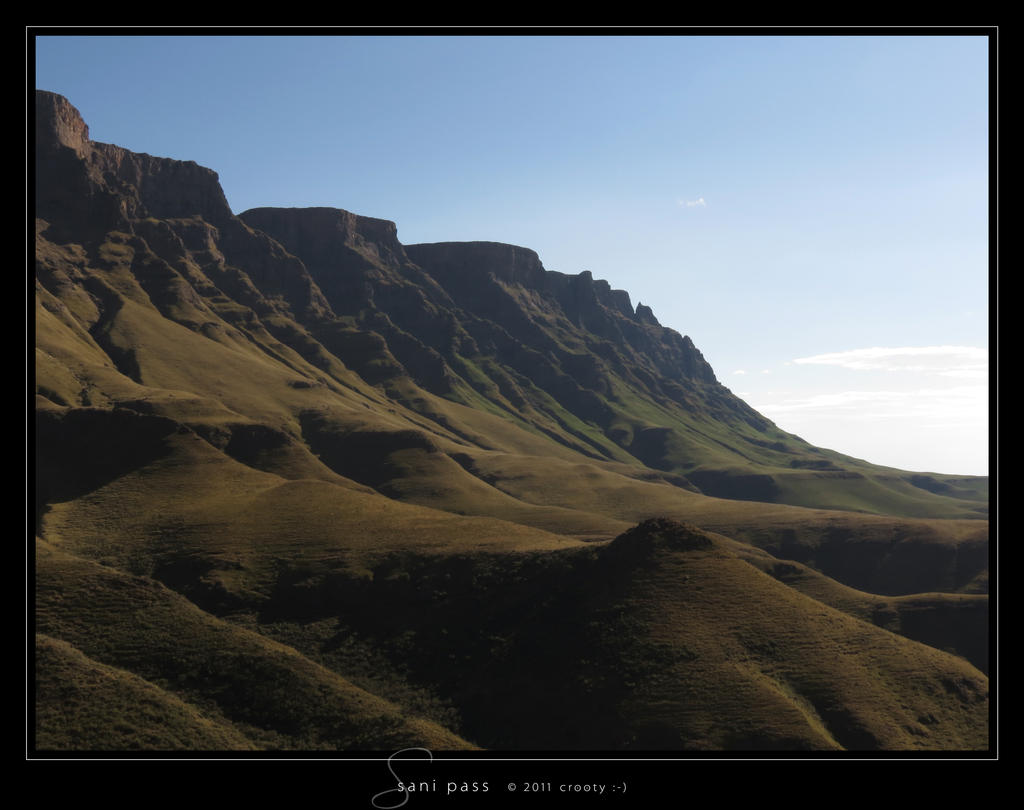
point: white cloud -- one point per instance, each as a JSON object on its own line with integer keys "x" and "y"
{"x": 739, "y": 371}
{"x": 961, "y": 403}
{"x": 693, "y": 203}
{"x": 966, "y": 373}
{"x": 951, "y": 361}
{"x": 924, "y": 428}
{"x": 932, "y": 414}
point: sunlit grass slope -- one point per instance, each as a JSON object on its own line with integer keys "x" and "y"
{"x": 175, "y": 667}
{"x": 878, "y": 553}
{"x": 81, "y": 704}
{"x": 954, "y": 622}
{"x": 860, "y": 686}
{"x": 183, "y": 511}
{"x": 662, "y": 639}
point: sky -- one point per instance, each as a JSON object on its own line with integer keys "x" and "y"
{"x": 812, "y": 210}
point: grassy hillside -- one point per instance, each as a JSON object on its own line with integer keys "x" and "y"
{"x": 84, "y": 705}
{"x": 184, "y": 679}
{"x": 954, "y": 622}
{"x": 300, "y": 487}
{"x": 662, "y": 639}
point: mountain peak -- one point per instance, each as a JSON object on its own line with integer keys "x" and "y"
{"x": 141, "y": 184}
{"x": 467, "y": 262}
{"x": 59, "y": 123}
{"x": 321, "y": 228}
{"x": 644, "y": 314}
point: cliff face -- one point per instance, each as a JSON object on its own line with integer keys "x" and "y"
{"x": 322, "y": 236}
{"x": 462, "y": 320}
{"x": 86, "y": 190}
{"x": 354, "y": 259}
{"x": 142, "y": 185}
{"x": 444, "y": 307}
{"x": 59, "y": 125}
{"x": 162, "y": 187}
{"x": 481, "y": 324}
{"x": 506, "y": 282}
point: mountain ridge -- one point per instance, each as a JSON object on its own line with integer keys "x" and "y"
{"x": 287, "y": 422}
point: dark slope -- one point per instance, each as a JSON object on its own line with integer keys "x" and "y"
{"x": 662, "y": 639}
{"x": 172, "y": 665}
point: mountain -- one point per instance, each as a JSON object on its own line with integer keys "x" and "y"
{"x": 301, "y": 486}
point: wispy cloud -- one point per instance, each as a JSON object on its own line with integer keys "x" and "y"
{"x": 965, "y": 403}
{"x": 699, "y": 202}
{"x": 965, "y": 362}
{"x": 739, "y": 371}
{"x": 926, "y": 428}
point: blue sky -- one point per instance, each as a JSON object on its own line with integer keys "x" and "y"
{"x": 811, "y": 210}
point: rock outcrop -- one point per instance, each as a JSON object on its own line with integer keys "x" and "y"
{"x": 130, "y": 184}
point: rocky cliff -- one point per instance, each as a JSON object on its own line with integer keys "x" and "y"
{"x": 481, "y": 324}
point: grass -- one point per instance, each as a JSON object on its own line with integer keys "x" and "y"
{"x": 189, "y": 666}
{"x": 193, "y": 502}
{"x": 81, "y": 704}
{"x": 953, "y": 622}
{"x": 663, "y": 639}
